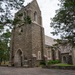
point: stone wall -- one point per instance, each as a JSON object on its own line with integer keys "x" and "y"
{"x": 22, "y": 41}
{"x": 37, "y": 40}
{"x": 28, "y": 39}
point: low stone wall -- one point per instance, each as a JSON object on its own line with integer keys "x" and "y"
{"x": 60, "y": 67}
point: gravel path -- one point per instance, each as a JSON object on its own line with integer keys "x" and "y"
{"x": 34, "y": 71}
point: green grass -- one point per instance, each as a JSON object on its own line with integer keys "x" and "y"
{"x": 62, "y": 64}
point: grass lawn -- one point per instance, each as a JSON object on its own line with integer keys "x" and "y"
{"x": 6, "y": 63}
{"x": 63, "y": 64}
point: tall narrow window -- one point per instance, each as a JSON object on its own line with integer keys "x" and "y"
{"x": 48, "y": 53}
{"x": 57, "y": 54}
{"x": 39, "y": 55}
{"x": 35, "y": 16}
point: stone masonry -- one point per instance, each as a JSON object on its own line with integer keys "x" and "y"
{"x": 27, "y": 41}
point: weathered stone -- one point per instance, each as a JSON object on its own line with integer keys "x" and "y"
{"x": 28, "y": 39}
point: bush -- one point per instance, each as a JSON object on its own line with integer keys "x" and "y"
{"x": 42, "y": 63}
{"x": 53, "y": 62}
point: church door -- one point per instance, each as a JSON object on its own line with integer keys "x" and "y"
{"x": 64, "y": 59}
{"x": 19, "y": 58}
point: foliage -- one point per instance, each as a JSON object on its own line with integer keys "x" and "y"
{"x": 20, "y": 14}
{"x": 6, "y": 8}
{"x": 43, "y": 62}
{"x": 27, "y": 20}
{"x": 7, "y": 5}
{"x": 16, "y": 21}
{"x": 53, "y": 62}
{"x": 6, "y": 21}
{"x": 64, "y": 21}
{"x": 4, "y": 47}
{"x": 6, "y": 35}
{"x": 4, "y": 52}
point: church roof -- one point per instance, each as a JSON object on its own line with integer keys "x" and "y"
{"x": 49, "y": 41}
{"x": 65, "y": 48}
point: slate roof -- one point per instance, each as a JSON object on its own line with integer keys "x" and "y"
{"x": 49, "y": 41}
{"x": 64, "y": 48}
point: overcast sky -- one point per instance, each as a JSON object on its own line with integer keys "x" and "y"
{"x": 47, "y": 8}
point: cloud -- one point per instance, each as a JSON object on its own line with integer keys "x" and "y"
{"x": 48, "y": 8}
{"x": 27, "y": 1}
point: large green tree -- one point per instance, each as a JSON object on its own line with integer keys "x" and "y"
{"x": 6, "y": 8}
{"x": 64, "y": 21}
{"x": 2, "y": 48}
{"x": 6, "y": 23}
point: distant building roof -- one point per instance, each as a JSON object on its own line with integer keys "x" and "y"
{"x": 49, "y": 41}
{"x": 65, "y": 48}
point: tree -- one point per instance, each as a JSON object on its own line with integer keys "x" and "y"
{"x": 6, "y": 39}
{"x": 64, "y": 21}
{"x": 2, "y": 51}
{"x": 6, "y": 20}
{"x": 6, "y": 7}
{"x": 4, "y": 46}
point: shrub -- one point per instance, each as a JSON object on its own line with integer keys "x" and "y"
{"x": 53, "y": 62}
{"x": 42, "y": 62}
{"x": 57, "y": 61}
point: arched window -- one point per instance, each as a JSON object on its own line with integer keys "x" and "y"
{"x": 35, "y": 16}
{"x": 19, "y": 52}
{"x": 39, "y": 55}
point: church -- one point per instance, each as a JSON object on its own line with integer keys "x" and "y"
{"x": 29, "y": 44}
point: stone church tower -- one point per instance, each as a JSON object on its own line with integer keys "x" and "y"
{"x": 27, "y": 41}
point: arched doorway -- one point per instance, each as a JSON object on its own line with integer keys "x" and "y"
{"x": 64, "y": 59}
{"x": 19, "y": 57}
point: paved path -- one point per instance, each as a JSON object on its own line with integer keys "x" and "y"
{"x": 34, "y": 71}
